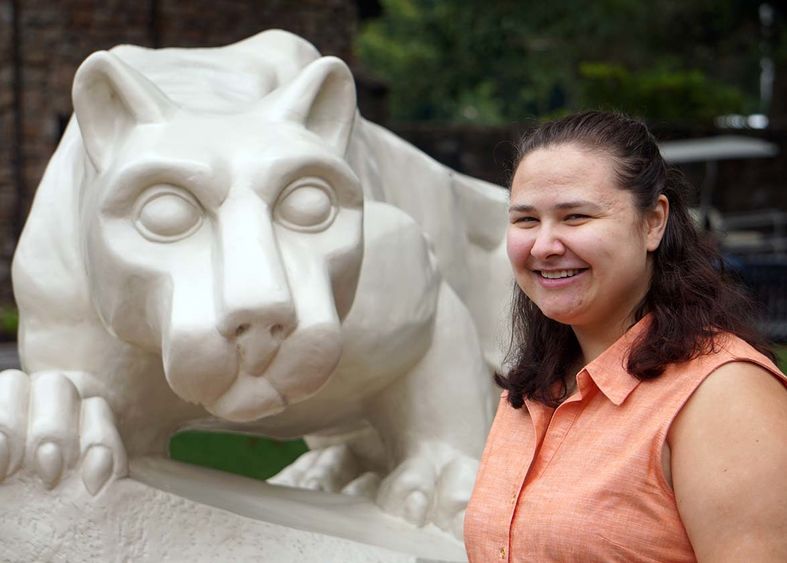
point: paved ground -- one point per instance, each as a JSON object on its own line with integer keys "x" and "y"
{"x": 8, "y": 356}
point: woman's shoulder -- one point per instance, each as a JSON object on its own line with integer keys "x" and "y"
{"x": 738, "y": 377}
{"x": 727, "y": 348}
{"x": 745, "y": 380}
{"x": 740, "y": 373}
{"x": 734, "y": 346}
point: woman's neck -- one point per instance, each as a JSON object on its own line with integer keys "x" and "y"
{"x": 593, "y": 341}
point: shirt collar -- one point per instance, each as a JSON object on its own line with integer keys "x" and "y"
{"x": 608, "y": 370}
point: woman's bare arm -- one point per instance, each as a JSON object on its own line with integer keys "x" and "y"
{"x": 729, "y": 465}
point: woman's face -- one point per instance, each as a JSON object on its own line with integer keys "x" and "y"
{"x": 577, "y": 243}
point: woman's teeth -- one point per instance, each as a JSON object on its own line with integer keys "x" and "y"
{"x": 557, "y": 274}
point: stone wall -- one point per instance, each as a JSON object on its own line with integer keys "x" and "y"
{"x": 54, "y": 37}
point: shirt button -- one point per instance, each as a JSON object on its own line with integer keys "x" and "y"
{"x": 513, "y": 498}
{"x": 502, "y": 553}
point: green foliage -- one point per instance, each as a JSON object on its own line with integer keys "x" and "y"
{"x": 496, "y": 61}
{"x": 9, "y": 322}
{"x": 448, "y": 60}
{"x": 251, "y": 456}
{"x": 663, "y": 93}
{"x": 781, "y": 357}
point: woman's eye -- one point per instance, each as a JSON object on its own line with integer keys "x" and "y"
{"x": 307, "y": 205}
{"x": 525, "y": 220}
{"x": 168, "y": 214}
{"x": 576, "y": 217}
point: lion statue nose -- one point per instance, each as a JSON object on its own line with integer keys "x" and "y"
{"x": 202, "y": 360}
{"x": 258, "y": 334}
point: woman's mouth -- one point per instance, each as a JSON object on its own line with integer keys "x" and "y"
{"x": 559, "y": 274}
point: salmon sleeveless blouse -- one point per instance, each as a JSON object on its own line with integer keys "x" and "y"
{"x": 584, "y": 482}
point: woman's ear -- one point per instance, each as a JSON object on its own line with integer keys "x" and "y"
{"x": 656, "y": 222}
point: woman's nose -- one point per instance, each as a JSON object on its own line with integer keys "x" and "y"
{"x": 547, "y": 243}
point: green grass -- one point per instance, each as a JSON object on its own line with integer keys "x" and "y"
{"x": 781, "y": 357}
{"x": 9, "y": 322}
{"x": 251, "y": 456}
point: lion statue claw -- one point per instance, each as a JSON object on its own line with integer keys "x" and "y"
{"x": 221, "y": 241}
{"x": 45, "y": 425}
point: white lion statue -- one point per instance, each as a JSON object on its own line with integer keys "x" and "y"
{"x": 221, "y": 241}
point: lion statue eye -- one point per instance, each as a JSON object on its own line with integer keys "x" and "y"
{"x": 167, "y": 215}
{"x": 307, "y": 205}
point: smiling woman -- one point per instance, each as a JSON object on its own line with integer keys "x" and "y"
{"x": 570, "y": 229}
{"x": 638, "y": 393}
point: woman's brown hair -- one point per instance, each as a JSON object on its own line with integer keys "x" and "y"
{"x": 691, "y": 299}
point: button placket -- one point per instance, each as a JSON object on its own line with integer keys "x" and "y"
{"x": 529, "y": 461}
{"x": 519, "y": 483}
{"x": 557, "y": 430}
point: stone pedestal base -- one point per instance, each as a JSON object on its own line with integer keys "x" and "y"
{"x": 167, "y": 511}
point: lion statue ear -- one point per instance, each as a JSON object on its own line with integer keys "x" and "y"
{"x": 321, "y": 98}
{"x": 109, "y": 99}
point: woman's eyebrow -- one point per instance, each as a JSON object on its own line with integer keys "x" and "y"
{"x": 521, "y": 208}
{"x": 577, "y": 203}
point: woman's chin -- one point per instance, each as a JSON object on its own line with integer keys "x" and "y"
{"x": 562, "y": 316}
